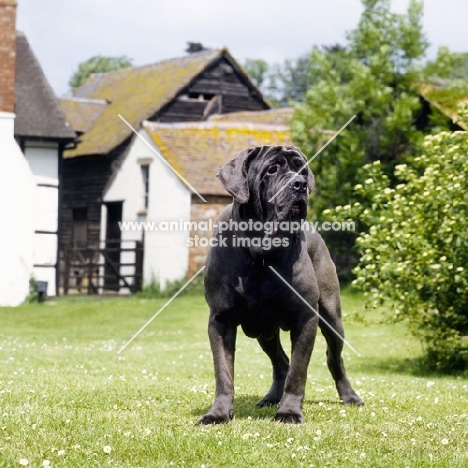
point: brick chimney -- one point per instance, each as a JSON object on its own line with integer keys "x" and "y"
{"x": 7, "y": 55}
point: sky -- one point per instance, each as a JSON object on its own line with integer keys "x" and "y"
{"x": 64, "y": 33}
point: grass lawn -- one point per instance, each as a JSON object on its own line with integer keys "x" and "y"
{"x": 67, "y": 397}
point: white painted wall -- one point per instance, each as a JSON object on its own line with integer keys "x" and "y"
{"x": 16, "y": 217}
{"x": 166, "y": 253}
{"x": 43, "y": 158}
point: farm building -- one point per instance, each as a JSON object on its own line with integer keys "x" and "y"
{"x": 187, "y": 89}
{"x": 153, "y": 192}
{"x": 33, "y": 134}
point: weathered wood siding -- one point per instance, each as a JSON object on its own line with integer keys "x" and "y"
{"x": 84, "y": 180}
{"x": 221, "y": 79}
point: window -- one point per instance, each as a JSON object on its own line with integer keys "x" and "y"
{"x": 145, "y": 176}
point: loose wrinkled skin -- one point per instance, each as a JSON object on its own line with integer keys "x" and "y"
{"x": 241, "y": 289}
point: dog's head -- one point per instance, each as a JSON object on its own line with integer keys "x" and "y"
{"x": 273, "y": 182}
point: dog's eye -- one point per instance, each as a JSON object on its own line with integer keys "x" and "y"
{"x": 304, "y": 172}
{"x": 272, "y": 169}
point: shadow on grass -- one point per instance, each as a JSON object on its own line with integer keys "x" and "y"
{"x": 415, "y": 367}
{"x": 245, "y": 407}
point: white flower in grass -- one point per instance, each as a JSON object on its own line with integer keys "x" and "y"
{"x": 444, "y": 441}
{"x": 46, "y": 463}
{"x": 24, "y": 461}
{"x": 363, "y": 455}
{"x": 107, "y": 449}
{"x": 61, "y": 452}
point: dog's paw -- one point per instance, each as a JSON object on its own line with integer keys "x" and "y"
{"x": 268, "y": 400}
{"x": 215, "y": 418}
{"x": 290, "y": 418}
{"x": 352, "y": 399}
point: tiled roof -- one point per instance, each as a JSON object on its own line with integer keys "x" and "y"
{"x": 38, "y": 113}
{"x": 137, "y": 94}
{"x": 198, "y": 150}
{"x": 82, "y": 113}
{"x": 280, "y": 116}
{"x": 445, "y": 98}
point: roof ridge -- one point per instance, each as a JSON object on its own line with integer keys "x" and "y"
{"x": 153, "y": 64}
{"x": 84, "y": 100}
{"x": 212, "y": 124}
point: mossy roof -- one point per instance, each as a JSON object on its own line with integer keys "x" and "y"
{"x": 137, "y": 94}
{"x": 198, "y": 150}
{"x": 82, "y": 113}
{"x": 280, "y": 116}
{"x": 445, "y": 99}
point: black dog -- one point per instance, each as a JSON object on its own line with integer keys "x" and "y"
{"x": 242, "y": 288}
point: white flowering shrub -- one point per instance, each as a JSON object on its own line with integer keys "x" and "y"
{"x": 415, "y": 251}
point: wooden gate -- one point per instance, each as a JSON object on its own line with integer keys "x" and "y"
{"x": 114, "y": 267}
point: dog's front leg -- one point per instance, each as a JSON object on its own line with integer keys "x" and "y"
{"x": 302, "y": 339}
{"x": 222, "y": 336}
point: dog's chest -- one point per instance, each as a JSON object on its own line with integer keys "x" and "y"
{"x": 260, "y": 314}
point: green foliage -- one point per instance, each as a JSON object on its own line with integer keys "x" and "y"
{"x": 286, "y": 83}
{"x": 448, "y": 65}
{"x": 33, "y": 295}
{"x": 257, "y": 69}
{"x": 373, "y": 79}
{"x": 97, "y": 64}
{"x": 416, "y": 250}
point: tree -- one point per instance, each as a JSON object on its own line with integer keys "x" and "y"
{"x": 415, "y": 253}
{"x": 97, "y": 64}
{"x": 448, "y": 65}
{"x": 286, "y": 83}
{"x": 372, "y": 78}
{"x": 257, "y": 69}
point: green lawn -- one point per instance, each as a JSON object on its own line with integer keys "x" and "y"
{"x": 65, "y": 394}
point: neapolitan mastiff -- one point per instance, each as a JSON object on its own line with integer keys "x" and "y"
{"x": 242, "y": 289}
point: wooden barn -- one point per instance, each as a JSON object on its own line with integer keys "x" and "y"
{"x": 191, "y": 88}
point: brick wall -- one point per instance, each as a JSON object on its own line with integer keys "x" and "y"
{"x": 204, "y": 212}
{"x": 7, "y": 55}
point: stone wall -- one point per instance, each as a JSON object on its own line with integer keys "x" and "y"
{"x": 203, "y": 212}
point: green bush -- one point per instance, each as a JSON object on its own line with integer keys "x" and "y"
{"x": 33, "y": 295}
{"x": 154, "y": 291}
{"x": 415, "y": 253}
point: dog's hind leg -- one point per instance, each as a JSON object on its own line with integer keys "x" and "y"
{"x": 330, "y": 310}
{"x": 280, "y": 363}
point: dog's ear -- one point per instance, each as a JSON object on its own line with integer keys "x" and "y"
{"x": 233, "y": 175}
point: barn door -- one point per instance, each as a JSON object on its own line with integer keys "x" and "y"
{"x": 112, "y": 249}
